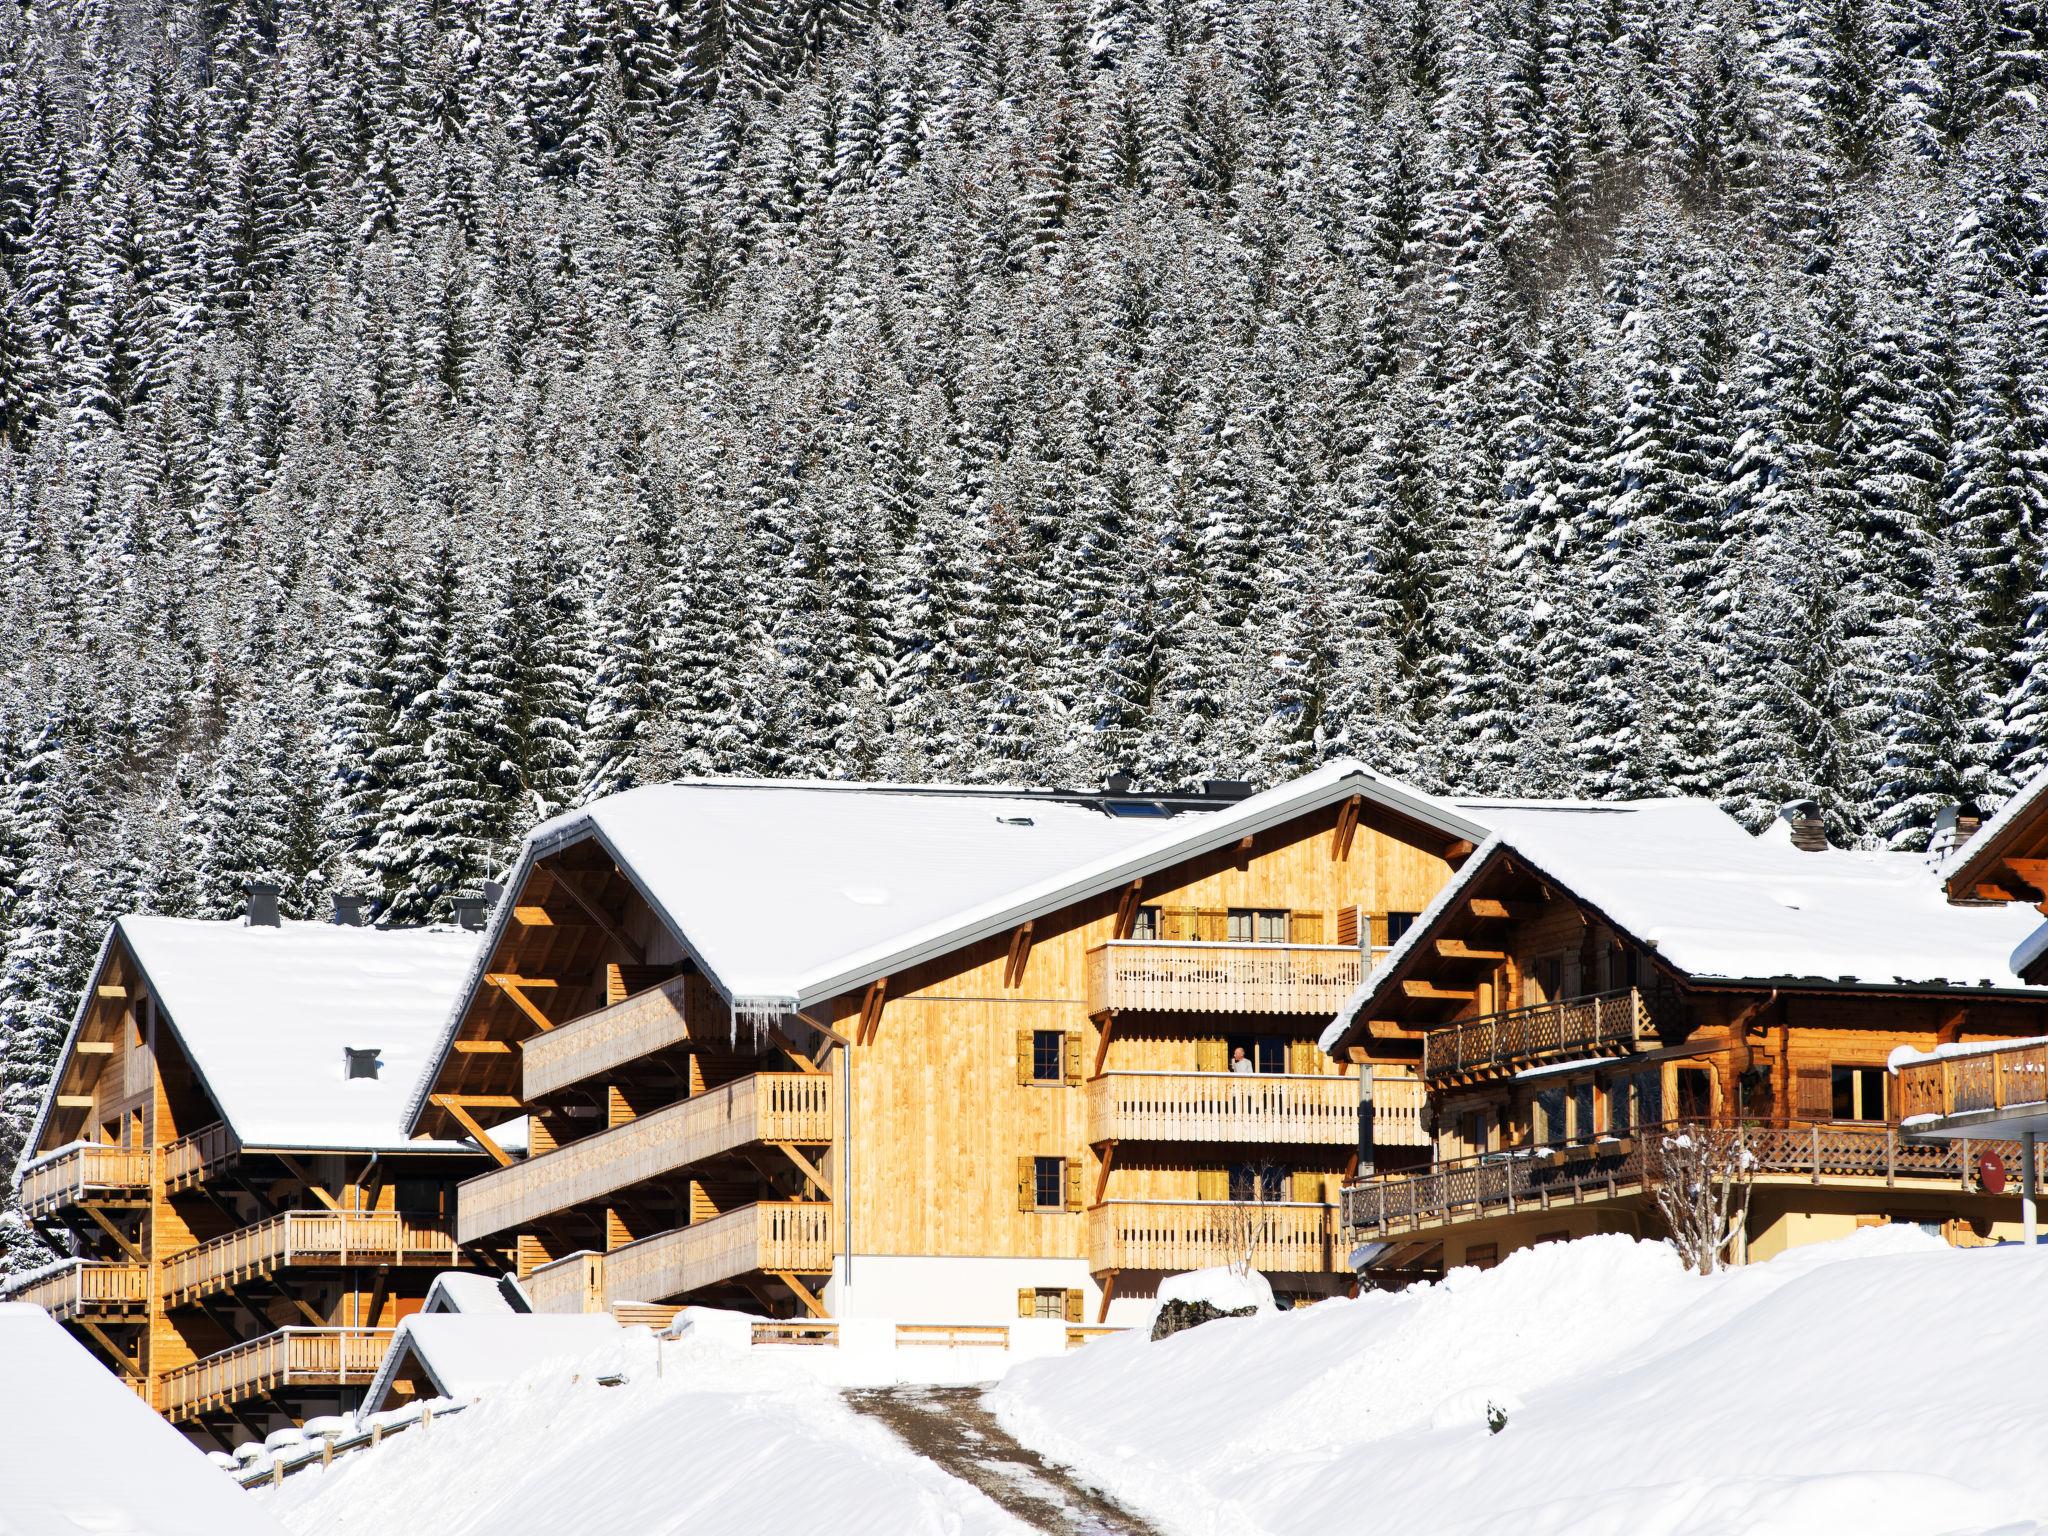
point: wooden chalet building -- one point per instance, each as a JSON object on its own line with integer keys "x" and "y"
{"x": 950, "y": 1055}
{"x": 220, "y": 1158}
{"x": 1596, "y": 973}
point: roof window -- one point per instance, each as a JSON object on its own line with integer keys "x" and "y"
{"x": 360, "y": 1061}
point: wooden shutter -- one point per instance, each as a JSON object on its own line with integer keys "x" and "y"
{"x": 1305, "y": 1057}
{"x": 1376, "y": 925}
{"x": 1814, "y": 1093}
{"x": 1027, "y": 1301}
{"x": 1023, "y": 1056}
{"x": 1308, "y": 1188}
{"x": 1212, "y": 1055}
{"x": 1212, "y": 1183}
{"x": 1074, "y": 1300}
{"x": 1347, "y": 925}
{"x": 1027, "y": 1184}
{"x": 1212, "y": 925}
{"x": 1177, "y": 923}
{"x": 1305, "y": 927}
{"x": 1073, "y": 1184}
{"x": 1073, "y": 1055}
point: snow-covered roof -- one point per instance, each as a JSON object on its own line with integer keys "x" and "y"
{"x": 81, "y": 1452}
{"x": 1720, "y": 905}
{"x": 788, "y": 893}
{"x": 466, "y": 1291}
{"x": 465, "y": 1354}
{"x": 265, "y": 1013}
{"x": 2019, "y": 804}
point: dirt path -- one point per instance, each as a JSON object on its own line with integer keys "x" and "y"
{"x": 950, "y": 1427}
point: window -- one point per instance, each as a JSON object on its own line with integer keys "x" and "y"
{"x": 1257, "y": 925}
{"x": 1266, "y": 1181}
{"x": 1553, "y": 978}
{"x": 417, "y": 1195}
{"x": 1265, "y": 1053}
{"x": 1398, "y": 923}
{"x": 1048, "y": 1302}
{"x": 1695, "y": 1092}
{"x": 359, "y": 1061}
{"x": 1145, "y": 925}
{"x": 1649, "y": 1088}
{"x": 1049, "y": 1183}
{"x": 1048, "y": 1056}
{"x": 1858, "y": 1092}
{"x": 1472, "y": 1130}
{"x": 1582, "y": 1110}
{"x": 1550, "y": 1126}
{"x": 1619, "y": 1110}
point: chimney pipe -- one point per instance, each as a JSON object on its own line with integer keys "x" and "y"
{"x": 1954, "y": 825}
{"x": 262, "y": 904}
{"x": 1809, "y": 832}
{"x": 348, "y": 911}
{"x": 471, "y": 913}
{"x": 1122, "y": 782}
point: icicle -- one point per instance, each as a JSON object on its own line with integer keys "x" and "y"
{"x": 755, "y": 1016}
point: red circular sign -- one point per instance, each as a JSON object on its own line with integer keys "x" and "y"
{"x": 1991, "y": 1173}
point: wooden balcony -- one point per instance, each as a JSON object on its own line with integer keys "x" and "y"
{"x": 780, "y": 1236}
{"x": 1161, "y": 977}
{"x": 192, "y": 1160}
{"x": 290, "y": 1359}
{"x": 765, "y": 1107}
{"x": 85, "y": 1173}
{"x": 1997, "y": 1092}
{"x": 1176, "y": 1235}
{"x": 571, "y": 1284}
{"x": 1237, "y": 1107}
{"x": 1505, "y": 1042}
{"x": 305, "y": 1240}
{"x": 1843, "y": 1156}
{"x": 80, "y": 1289}
{"x": 602, "y": 1041}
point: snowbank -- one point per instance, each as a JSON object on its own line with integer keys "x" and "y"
{"x": 1223, "y": 1288}
{"x": 717, "y": 1444}
{"x": 1875, "y": 1385}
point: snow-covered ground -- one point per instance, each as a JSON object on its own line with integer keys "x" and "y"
{"x": 719, "y": 1444}
{"x": 1885, "y": 1385}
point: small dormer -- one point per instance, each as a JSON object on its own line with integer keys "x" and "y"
{"x": 361, "y": 1061}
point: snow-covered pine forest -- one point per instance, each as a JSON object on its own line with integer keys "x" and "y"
{"x": 417, "y": 416}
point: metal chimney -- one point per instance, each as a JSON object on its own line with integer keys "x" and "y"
{"x": 1809, "y": 832}
{"x": 262, "y": 904}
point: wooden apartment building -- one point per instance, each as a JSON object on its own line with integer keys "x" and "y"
{"x": 220, "y": 1159}
{"x": 1596, "y": 974}
{"x": 938, "y": 1054}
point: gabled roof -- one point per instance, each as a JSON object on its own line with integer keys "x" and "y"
{"x": 1720, "y": 906}
{"x": 264, "y": 1013}
{"x": 2016, "y": 828}
{"x": 789, "y": 893}
{"x": 466, "y": 1354}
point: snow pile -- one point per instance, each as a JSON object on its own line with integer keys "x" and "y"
{"x": 695, "y": 1439}
{"x": 1223, "y": 1288}
{"x": 1873, "y": 1385}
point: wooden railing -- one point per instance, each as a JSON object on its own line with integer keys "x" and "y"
{"x": 787, "y": 1235}
{"x": 196, "y": 1158}
{"x": 1980, "y": 1081}
{"x": 306, "y": 1238}
{"x": 83, "y": 1289}
{"x": 1223, "y": 1106}
{"x": 574, "y": 1283}
{"x": 596, "y": 1042}
{"x": 1544, "y": 1030}
{"x": 1398, "y": 1106}
{"x": 1222, "y": 978}
{"x": 764, "y": 1107}
{"x": 1503, "y": 1183}
{"x": 291, "y": 1357}
{"x": 84, "y": 1172}
{"x": 1180, "y": 1235}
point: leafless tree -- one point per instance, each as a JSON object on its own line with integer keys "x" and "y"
{"x": 1703, "y": 1175}
{"x": 1245, "y": 1222}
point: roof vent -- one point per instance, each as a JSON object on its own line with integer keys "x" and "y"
{"x": 1017, "y": 821}
{"x": 1954, "y": 825}
{"x": 360, "y": 1061}
{"x": 348, "y": 910}
{"x": 262, "y": 904}
{"x": 1809, "y": 833}
{"x": 1227, "y": 789}
{"x": 471, "y": 912}
{"x": 1122, "y": 782}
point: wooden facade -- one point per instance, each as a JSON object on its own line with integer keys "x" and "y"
{"x": 235, "y": 1288}
{"x": 1059, "y": 1094}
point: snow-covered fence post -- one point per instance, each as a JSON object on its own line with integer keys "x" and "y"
{"x": 1704, "y": 1174}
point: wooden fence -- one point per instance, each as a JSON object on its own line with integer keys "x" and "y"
{"x": 194, "y": 1159}
{"x": 82, "y": 1173}
{"x": 1164, "y": 977}
{"x": 1223, "y": 1106}
{"x": 291, "y": 1357}
{"x": 307, "y": 1239}
{"x": 1497, "y": 1041}
{"x": 1980, "y": 1081}
{"x": 83, "y": 1289}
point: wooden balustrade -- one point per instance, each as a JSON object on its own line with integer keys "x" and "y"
{"x": 196, "y": 1158}
{"x": 596, "y": 1042}
{"x": 84, "y": 1173}
{"x": 1979, "y": 1082}
{"x": 1223, "y": 1106}
{"x": 1178, "y": 1235}
{"x": 323, "y": 1239}
{"x": 1503, "y": 1183}
{"x": 291, "y": 1357}
{"x": 1519, "y": 1036}
{"x": 574, "y": 1283}
{"x": 763, "y": 1107}
{"x": 1165, "y": 977}
{"x": 1399, "y": 1104}
{"x": 81, "y": 1288}
{"x": 786, "y": 1235}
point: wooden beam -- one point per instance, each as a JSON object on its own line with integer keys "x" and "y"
{"x": 1108, "y": 1290}
{"x": 108, "y": 992}
{"x": 1456, "y": 852}
{"x": 313, "y": 1318}
{"x": 1020, "y": 955}
{"x": 1102, "y": 1173}
{"x": 514, "y": 988}
{"x": 788, "y": 1048}
{"x": 74, "y": 1101}
{"x": 1127, "y": 910}
{"x": 805, "y": 1166}
{"x": 803, "y": 1292}
{"x": 463, "y": 1118}
{"x": 1502, "y": 911}
{"x": 1102, "y": 1043}
{"x": 134, "y": 1253}
{"x": 297, "y": 1171}
{"x": 597, "y": 914}
{"x": 94, "y": 1048}
{"x": 483, "y": 1047}
{"x": 871, "y": 1012}
{"x": 1458, "y": 949}
{"x": 1429, "y": 991}
{"x": 532, "y": 917}
{"x": 1346, "y": 828}
{"x": 129, "y": 1367}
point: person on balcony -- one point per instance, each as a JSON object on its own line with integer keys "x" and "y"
{"x": 1239, "y": 1062}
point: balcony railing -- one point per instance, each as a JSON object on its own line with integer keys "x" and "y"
{"x": 571, "y": 1284}
{"x": 597, "y": 1042}
{"x": 1521, "y": 1036}
{"x": 1223, "y": 1106}
{"x": 765, "y": 1107}
{"x": 291, "y": 1358}
{"x": 1504, "y": 1183}
{"x": 1981, "y": 1082}
{"x": 305, "y": 1239}
{"x": 196, "y": 1158}
{"x": 1162, "y": 977}
{"x": 83, "y": 1289}
{"x": 786, "y": 1235}
{"x": 84, "y": 1173}
{"x": 1200, "y": 1234}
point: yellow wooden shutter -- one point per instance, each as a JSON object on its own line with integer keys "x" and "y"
{"x": 1074, "y": 1300}
{"x": 1212, "y": 925}
{"x": 1177, "y": 923}
{"x": 1305, "y": 1057}
{"x": 1308, "y": 1187}
{"x": 1027, "y": 1184}
{"x": 1377, "y": 926}
{"x": 1212, "y": 1055}
{"x": 1023, "y": 1055}
{"x": 1305, "y": 927}
{"x": 1073, "y": 1055}
{"x": 1212, "y": 1183}
{"x": 1027, "y": 1301}
{"x": 1347, "y": 925}
{"x": 1073, "y": 1184}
